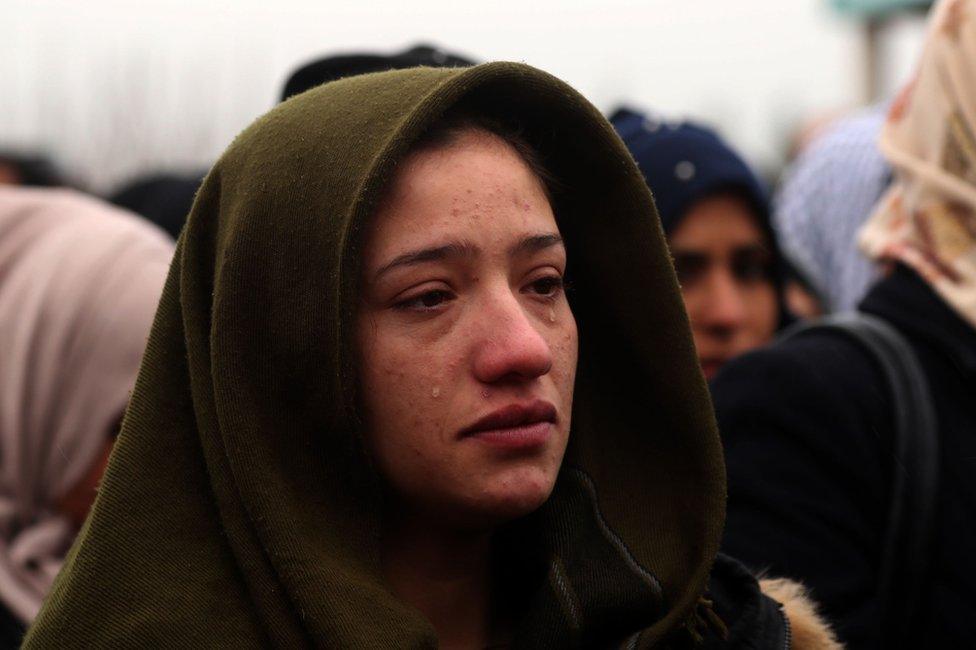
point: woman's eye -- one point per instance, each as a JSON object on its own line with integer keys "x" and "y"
{"x": 548, "y": 287}
{"x": 427, "y": 301}
{"x": 752, "y": 268}
{"x": 689, "y": 267}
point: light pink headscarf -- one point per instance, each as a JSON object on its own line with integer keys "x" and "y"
{"x": 79, "y": 283}
{"x": 927, "y": 219}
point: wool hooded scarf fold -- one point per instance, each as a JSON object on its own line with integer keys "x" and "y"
{"x": 239, "y": 508}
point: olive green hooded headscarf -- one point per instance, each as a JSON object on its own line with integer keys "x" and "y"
{"x": 239, "y": 509}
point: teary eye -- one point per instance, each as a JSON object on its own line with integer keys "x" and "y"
{"x": 426, "y": 301}
{"x": 549, "y": 286}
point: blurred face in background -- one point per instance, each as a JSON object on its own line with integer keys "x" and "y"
{"x": 724, "y": 265}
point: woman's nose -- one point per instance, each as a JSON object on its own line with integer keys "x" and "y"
{"x": 512, "y": 345}
{"x": 724, "y": 310}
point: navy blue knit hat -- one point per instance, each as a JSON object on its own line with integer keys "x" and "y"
{"x": 684, "y": 162}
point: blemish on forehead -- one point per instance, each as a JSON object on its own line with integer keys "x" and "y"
{"x": 455, "y": 212}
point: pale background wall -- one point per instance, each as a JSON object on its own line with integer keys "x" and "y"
{"x": 113, "y": 88}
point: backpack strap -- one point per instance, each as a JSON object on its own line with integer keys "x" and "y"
{"x": 914, "y": 473}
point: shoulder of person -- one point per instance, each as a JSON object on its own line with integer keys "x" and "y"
{"x": 818, "y": 371}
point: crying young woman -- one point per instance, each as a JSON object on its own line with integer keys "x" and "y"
{"x": 420, "y": 377}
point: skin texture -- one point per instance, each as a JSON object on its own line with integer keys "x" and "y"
{"x": 447, "y": 341}
{"x": 722, "y": 259}
{"x": 477, "y": 323}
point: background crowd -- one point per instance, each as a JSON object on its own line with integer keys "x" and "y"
{"x": 874, "y": 213}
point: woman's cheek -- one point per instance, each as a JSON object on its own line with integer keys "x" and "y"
{"x": 566, "y": 350}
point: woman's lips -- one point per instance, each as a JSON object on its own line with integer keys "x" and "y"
{"x": 515, "y": 426}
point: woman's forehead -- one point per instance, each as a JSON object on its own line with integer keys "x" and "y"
{"x": 473, "y": 154}
{"x": 476, "y": 189}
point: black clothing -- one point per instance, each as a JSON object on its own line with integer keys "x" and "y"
{"x": 806, "y": 425}
{"x": 11, "y": 629}
{"x": 164, "y": 199}
{"x": 752, "y": 619}
{"x": 339, "y": 66}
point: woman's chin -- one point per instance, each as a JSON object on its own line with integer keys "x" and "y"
{"x": 510, "y": 497}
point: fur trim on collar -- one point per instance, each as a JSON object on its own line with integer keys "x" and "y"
{"x": 809, "y": 630}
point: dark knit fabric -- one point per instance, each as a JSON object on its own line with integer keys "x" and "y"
{"x": 684, "y": 162}
{"x": 239, "y": 509}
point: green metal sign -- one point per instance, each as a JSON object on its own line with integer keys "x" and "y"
{"x": 878, "y": 8}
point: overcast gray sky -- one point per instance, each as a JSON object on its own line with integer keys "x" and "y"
{"x": 115, "y": 88}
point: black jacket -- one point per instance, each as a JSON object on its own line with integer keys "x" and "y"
{"x": 807, "y": 428}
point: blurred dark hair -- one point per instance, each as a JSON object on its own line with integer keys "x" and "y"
{"x": 31, "y": 169}
{"x": 331, "y": 68}
{"x": 164, "y": 199}
{"x": 451, "y": 126}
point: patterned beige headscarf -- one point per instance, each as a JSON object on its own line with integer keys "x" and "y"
{"x": 927, "y": 219}
{"x": 79, "y": 283}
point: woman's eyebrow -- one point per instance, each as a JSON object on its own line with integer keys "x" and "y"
{"x": 535, "y": 243}
{"x": 529, "y": 244}
{"x": 432, "y": 254}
